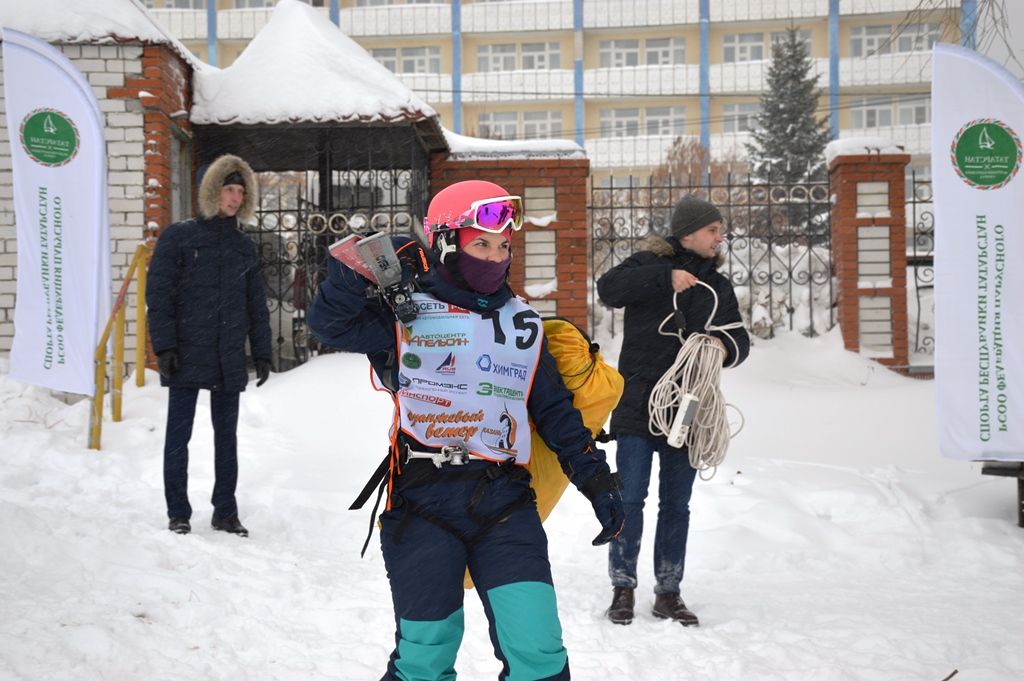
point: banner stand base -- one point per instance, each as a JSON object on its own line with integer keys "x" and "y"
{"x": 1009, "y": 469}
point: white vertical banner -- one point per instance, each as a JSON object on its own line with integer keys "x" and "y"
{"x": 977, "y": 121}
{"x": 59, "y": 163}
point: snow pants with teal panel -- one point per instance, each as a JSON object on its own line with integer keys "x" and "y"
{"x": 436, "y": 529}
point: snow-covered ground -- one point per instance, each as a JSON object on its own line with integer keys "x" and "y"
{"x": 834, "y": 544}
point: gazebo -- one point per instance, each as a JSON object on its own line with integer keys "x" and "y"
{"x": 340, "y": 142}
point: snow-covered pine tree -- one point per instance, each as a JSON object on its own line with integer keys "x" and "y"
{"x": 790, "y": 143}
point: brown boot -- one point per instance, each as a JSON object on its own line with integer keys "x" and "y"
{"x": 671, "y": 607}
{"x": 621, "y": 609}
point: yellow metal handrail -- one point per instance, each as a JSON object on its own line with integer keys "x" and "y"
{"x": 116, "y": 323}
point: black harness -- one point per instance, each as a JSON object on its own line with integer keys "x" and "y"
{"x": 420, "y": 472}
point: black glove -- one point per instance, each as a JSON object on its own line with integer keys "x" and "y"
{"x": 413, "y": 258}
{"x": 167, "y": 362}
{"x": 263, "y": 367}
{"x": 604, "y": 492}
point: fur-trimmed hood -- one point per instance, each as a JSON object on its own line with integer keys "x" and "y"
{"x": 661, "y": 246}
{"x": 213, "y": 180}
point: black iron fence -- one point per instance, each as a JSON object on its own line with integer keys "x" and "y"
{"x": 297, "y": 220}
{"x": 777, "y": 251}
{"x": 920, "y": 270}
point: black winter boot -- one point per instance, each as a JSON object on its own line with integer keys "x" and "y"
{"x": 179, "y": 526}
{"x": 232, "y": 525}
{"x": 671, "y": 607}
{"x": 621, "y": 609}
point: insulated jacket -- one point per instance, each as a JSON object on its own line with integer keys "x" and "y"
{"x": 642, "y": 284}
{"x": 342, "y": 317}
{"x": 205, "y": 292}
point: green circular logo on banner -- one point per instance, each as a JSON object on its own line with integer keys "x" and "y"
{"x": 412, "y": 361}
{"x": 49, "y": 137}
{"x": 986, "y": 153}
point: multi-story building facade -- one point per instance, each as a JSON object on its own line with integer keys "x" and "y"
{"x": 624, "y": 78}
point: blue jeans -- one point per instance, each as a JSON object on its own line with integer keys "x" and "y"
{"x": 633, "y": 458}
{"x": 181, "y": 411}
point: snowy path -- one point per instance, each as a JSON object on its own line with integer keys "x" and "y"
{"x": 834, "y": 544}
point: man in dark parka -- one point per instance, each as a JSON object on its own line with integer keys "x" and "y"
{"x": 645, "y": 284}
{"x": 205, "y": 297}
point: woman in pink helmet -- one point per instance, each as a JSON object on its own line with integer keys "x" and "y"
{"x": 467, "y": 374}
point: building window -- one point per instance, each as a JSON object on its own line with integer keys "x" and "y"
{"x": 371, "y": 3}
{"x": 664, "y": 120}
{"x": 496, "y": 57}
{"x": 185, "y": 4}
{"x": 540, "y": 124}
{"x": 873, "y": 112}
{"x": 620, "y": 122}
{"x": 741, "y": 117}
{"x": 499, "y": 125}
{"x": 743, "y": 47}
{"x": 868, "y": 40}
{"x": 664, "y": 51}
{"x": 387, "y": 56}
{"x": 914, "y": 110}
{"x": 253, "y": 4}
{"x": 616, "y": 53}
{"x": 541, "y": 56}
{"x": 918, "y": 37}
{"x": 421, "y": 60}
{"x": 803, "y": 36}
{"x": 181, "y": 192}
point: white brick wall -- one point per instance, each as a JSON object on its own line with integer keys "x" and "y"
{"x": 103, "y": 66}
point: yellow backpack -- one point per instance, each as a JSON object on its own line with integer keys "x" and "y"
{"x": 596, "y": 388}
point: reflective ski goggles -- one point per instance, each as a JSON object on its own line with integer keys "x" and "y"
{"x": 490, "y": 215}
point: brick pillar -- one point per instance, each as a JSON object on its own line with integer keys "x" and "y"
{"x": 560, "y": 245}
{"x": 869, "y": 249}
{"x": 165, "y": 93}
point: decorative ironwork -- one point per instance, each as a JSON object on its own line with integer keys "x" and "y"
{"x": 298, "y": 219}
{"x": 777, "y": 249}
{"x": 921, "y": 269}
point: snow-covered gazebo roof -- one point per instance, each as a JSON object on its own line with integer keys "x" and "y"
{"x": 89, "y": 21}
{"x": 301, "y": 68}
{"x": 302, "y": 84}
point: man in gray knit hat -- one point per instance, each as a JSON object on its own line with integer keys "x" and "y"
{"x": 663, "y": 270}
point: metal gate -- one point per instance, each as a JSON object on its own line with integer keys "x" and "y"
{"x": 920, "y": 272}
{"x": 300, "y": 215}
{"x": 778, "y": 251}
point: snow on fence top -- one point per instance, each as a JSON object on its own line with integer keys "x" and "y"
{"x": 466, "y": 148}
{"x": 861, "y": 146}
{"x": 300, "y": 67}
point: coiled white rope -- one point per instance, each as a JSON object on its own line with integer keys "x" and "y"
{"x": 696, "y": 371}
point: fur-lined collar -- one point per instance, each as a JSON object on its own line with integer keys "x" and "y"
{"x": 663, "y": 247}
{"x": 213, "y": 180}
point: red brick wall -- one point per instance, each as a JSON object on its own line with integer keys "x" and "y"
{"x": 167, "y": 80}
{"x": 847, "y": 172}
{"x": 569, "y": 177}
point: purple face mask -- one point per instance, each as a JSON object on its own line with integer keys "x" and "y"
{"x": 483, "y": 276}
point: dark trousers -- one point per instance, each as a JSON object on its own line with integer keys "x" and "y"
{"x": 181, "y": 411}
{"x": 634, "y": 457}
{"x": 426, "y": 560}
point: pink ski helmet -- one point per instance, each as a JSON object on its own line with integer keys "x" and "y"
{"x": 470, "y": 203}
